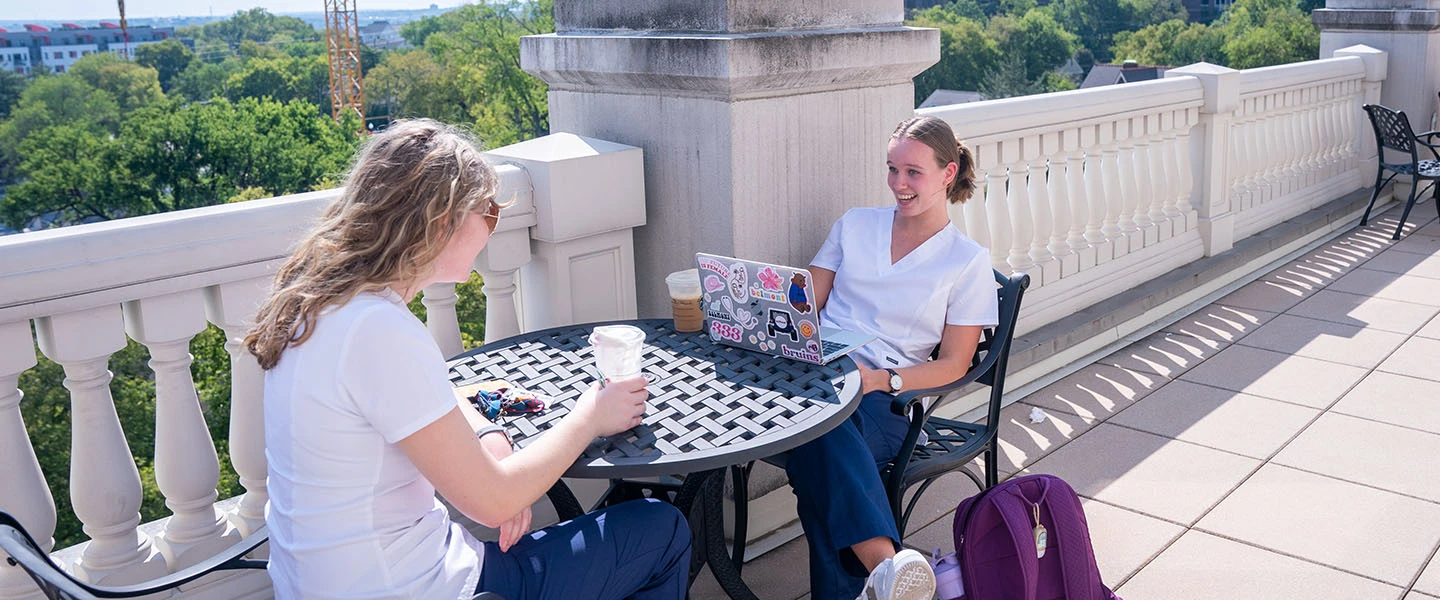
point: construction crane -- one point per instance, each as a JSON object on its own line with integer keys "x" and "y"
{"x": 124, "y": 30}
{"x": 342, "y": 37}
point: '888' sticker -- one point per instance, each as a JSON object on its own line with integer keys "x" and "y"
{"x": 719, "y": 330}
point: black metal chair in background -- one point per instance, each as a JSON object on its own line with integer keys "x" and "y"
{"x": 57, "y": 584}
{"x": 1393, "y": 132}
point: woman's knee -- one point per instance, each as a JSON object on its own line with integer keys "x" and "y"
{"x": 657, "y": 515}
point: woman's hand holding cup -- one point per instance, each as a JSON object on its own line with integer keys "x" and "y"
{"x": 617, "y": 406}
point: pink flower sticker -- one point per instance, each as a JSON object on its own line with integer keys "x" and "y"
{"x": 769, "y": 279}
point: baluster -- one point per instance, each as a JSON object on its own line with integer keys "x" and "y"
{"x": 1310, "y": 133}
{"x": 498, "y": 264}
{"x": 25, "y": 494}
{"x": 1269, "y": 151}
{"x": 1129, "y": 188}
{"x": 1242, "y": 160}
{"x": 187, "y": 470}
{"x": 1079, "y": 202}
{"x": 1170, "y": 166}
{"x": 1040, "y": 221}
{"x": 1061, "y": 221}
{"x": 1329, "y": 123}
{"x": 439, "y": 300}
{"x": 232, "y": 306}
{"x": 977, "y": 224}
{"x": 1144, "y": 185}
{"x": 1188, "y": 218}
{"x": 996, "y": 175}
{"x": 1159, "y": 183}
{"x": 1113, "y": 194}
{"x": 104, "y": 483}
{"x": 1017, "y": 199}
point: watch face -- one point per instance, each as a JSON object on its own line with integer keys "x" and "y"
{"x": 895, "y": 381}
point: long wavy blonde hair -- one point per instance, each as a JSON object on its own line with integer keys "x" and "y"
{"x": 405, "y": 197}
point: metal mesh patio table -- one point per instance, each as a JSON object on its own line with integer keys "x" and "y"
{"x": 711, "y": 407}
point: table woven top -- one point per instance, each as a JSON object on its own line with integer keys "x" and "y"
{"x": 710, "y": 405}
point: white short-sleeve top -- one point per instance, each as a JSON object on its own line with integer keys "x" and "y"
{"x": 349, "y": 515}
{"x": 947, "y": 280}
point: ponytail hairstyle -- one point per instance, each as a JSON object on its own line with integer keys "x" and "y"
{"x": 937, "y": 134}
{"x": 406, "y": 195}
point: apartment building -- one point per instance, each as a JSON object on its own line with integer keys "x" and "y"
{"x": 24, "y": 51}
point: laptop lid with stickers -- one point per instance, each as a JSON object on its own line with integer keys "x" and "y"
{"x": 767, "y": 308}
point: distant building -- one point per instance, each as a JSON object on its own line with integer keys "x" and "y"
{"x": 1205, "y": 11}
{"x": 1127, "y": 72}
{"x": 948, "y": 97}
{"x": 59, "y": 48}
{"x": 381, "y": 35}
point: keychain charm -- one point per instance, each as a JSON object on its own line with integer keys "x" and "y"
{"x": 1040, "y": 533}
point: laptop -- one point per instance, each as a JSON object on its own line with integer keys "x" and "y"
{"x": 766, "y": 308}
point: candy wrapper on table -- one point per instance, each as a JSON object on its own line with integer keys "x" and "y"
{"x": 500, "y": 397}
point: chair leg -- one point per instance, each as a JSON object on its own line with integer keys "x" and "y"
{"x": 992, "y": 465}
{"x": 1409, "y": 204}
{"x": 1374, "y": 193}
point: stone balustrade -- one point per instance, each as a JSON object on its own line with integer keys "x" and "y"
{"x": 160, "y": 279}
{"x": 1098, "y": 190}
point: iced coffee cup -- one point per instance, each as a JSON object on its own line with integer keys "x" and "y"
{"x": 617, "y": 350}
{"x": 685, "y": 299}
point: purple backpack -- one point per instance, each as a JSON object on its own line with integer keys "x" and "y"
{"x": 998, "y": 538}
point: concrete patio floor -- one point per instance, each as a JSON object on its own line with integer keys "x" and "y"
{"x": 1278, "y": 443}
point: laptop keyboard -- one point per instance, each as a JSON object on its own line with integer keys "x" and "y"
{"x": 826, "y": 348}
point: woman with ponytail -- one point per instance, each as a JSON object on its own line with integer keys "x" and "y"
{"x": 906, "y": 275}
{"x": 362, "y": 426}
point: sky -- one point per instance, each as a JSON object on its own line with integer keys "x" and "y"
{"x": 21, "y": 10}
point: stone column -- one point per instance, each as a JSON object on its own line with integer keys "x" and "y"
{"x": 1222, "y": 97}
{"x": 761, "y": 122}
{"x": 1409, "y": 30}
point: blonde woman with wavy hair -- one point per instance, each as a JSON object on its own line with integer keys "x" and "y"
{"x": 362, "y": 427}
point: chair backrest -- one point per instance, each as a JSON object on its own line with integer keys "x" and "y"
{"x": 58, "y": 584}
{"x": 1392, "y": 129}
{"x": 992, "y": 355}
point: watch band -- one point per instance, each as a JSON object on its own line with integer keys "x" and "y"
{"x": 891, "y": 381}
{"x": 492, "y": 428}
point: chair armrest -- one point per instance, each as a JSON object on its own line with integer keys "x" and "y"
{"x": 902, "y": 403}
{"x": 1432, "y": 146}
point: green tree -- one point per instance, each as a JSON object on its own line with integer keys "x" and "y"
{"x": 966, "y": 53}
{"x": 69, "y": 178}
{"x": 132, "y": 85}
{"x": 479, "y": 45}
{"x": 169, "y": 58}
{"x": 1094, "y": 22}
{"x": 11, "y": 85}
{"x": 1008, "y": 79}
{"x": 52, "y": 100}
{"x": 202, "y": 81}
{"x": 411, "y": 84}
{"x": 258, "y": 25}
{"x": 1036, "y": 38}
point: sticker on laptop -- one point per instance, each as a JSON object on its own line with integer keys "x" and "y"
{"x": 780, "y": 323}
{"x": 769, "y": 279}
{"x": 807, "y": 329}
{"x": 738, "y": 275}
{"x": 799, "y": 298}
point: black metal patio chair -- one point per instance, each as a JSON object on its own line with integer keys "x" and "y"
{"x": 950, "y": 445}
{"x": 1393, "y": 132}
{"x": 57, "y": 584}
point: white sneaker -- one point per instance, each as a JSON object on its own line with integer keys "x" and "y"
{"x": 908, "y": 576}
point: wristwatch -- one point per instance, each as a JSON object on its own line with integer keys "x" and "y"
{"x": 895, "y": 382}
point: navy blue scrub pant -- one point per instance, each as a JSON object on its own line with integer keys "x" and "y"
{"x": 638, "y": 550}
{"x": 841, "y": 500}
